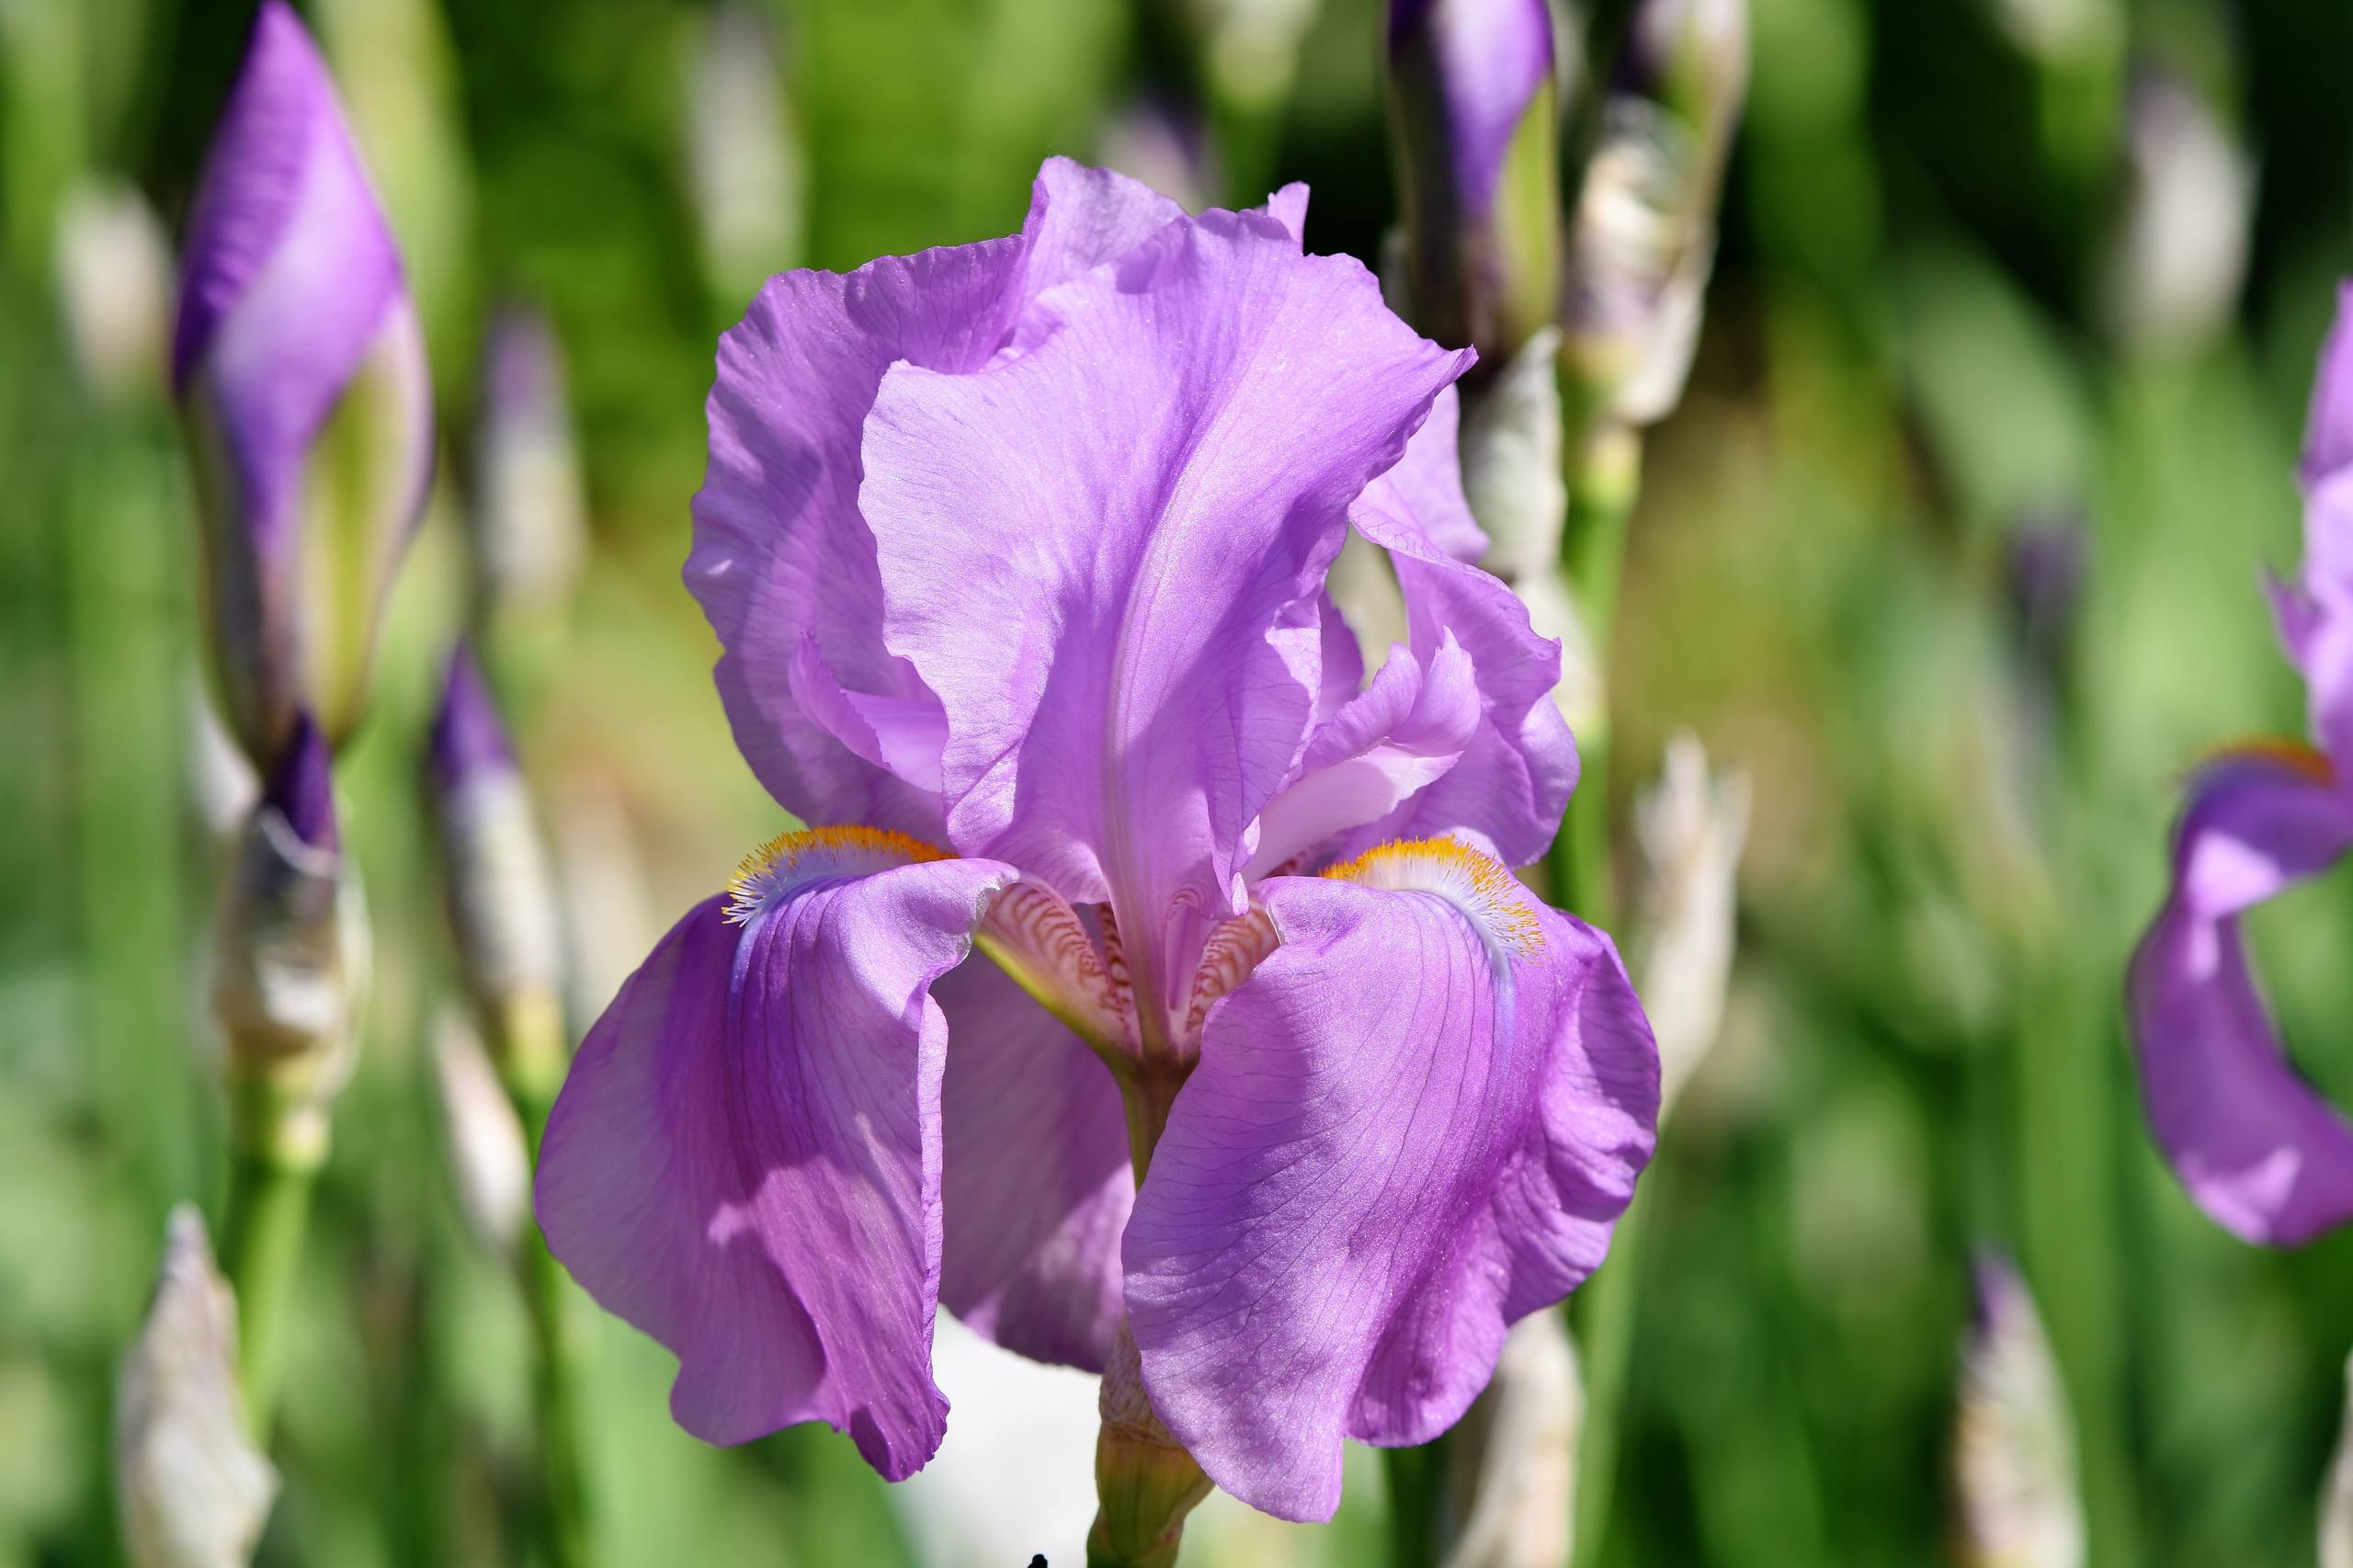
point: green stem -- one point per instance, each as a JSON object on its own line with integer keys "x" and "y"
{"x": 274, "y": 1163}
{"x": 555, "y": 1386}
{"x": 1604, "y": 477}
{"x": 1145, "y": 1483}
{"x": 1416, "y": 1479}
{"x": 1607, "y": 1346}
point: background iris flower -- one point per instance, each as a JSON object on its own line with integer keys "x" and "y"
{"x": 2258, "y": 1147}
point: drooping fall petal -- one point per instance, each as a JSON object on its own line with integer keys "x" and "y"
{"x": 1416, "y": 1122}
{"x": 2258, "y": 1149}
{"x": 1037, "y": 1184}
{"x": 745, "y": 1159}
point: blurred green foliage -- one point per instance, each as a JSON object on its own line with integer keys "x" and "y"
{"x": 1913, "y": 363}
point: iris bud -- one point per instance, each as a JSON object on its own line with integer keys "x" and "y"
{"x": 114, "y": 274}
{"x": 503, "y": 906}
{"x": 1690, "y": 826}
{"x": 299, "y": 365}
{"x": 192, "y": 1490}
{"x": 530, "y": 516}
{"x": 2178, "y": 255}
{"x": 1475, "y": 114}
{"x": 489, "y": 1166}
{"x": 1511, "y": 463}
{"x": 2013, "y": 1441}
{"x": 1642, "y": 242}
{"x": 1515, "y": 1454}
{"x": 290, "y": 959}
{"x": 743, "y": 165}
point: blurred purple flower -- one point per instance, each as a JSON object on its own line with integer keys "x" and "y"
{"x": 299, "y": 361}
{"x": 2258, "y": 1149}
{"x": 1019, "y": 548}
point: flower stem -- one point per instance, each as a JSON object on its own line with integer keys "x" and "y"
{"x": 1604, "y": 477}
{"x": 275, "y": 1153}
{"x": 533, "y": 1078}
{"x": 1415, "y": 1482}
{"x": 1144, "y": 1480}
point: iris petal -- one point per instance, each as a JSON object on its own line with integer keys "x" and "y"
{"x": 1038, "y": 1184}
{"x": 1517, "y": 770}
{"x": 1417, "y": 1120}
{"x": 1091, "y": 551}
{"x": 2256, "y": 1147}
{"x": 745, "y": 1159}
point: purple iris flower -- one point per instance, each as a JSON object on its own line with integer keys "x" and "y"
{"x": 298, "y": 357}
{"x": 2258, "y": 1149}
{"x": 1018, "y": 550}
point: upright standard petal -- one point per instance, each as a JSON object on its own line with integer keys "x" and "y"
{"x": 2256, "y": 1147}
{"x": 836, "y": 726}
{"x": 1091, "y": 551}
{"x": 746, "y": 1160}
{"x": 1416, "y": 1122}
{"x": 783, "y": 564}
{"x": 2315, "y": 613}
{"x": 1038, "y": 1184}
{"x": 294, "y": 316}
{"x": 2328, "y": 429}
{"x": 1518, "y": 768}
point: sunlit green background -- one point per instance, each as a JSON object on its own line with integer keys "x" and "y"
{"x": 1920, "y": 345}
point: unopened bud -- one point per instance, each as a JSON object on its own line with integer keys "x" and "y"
{"x": 2178, "y": 256}
{"x": 1511, "y": 463}
{"x": 1514, "y": 1455}
{"x": 1252, "y": 47}
{"x": 220, "y": 780}
{"x": 1474, "y": 106}
{"x": 528, "y": 515}
{"x": 192, "y": 1491}
{"x": 742, "y": 161}
{"x": 300, "y": 365}
{"x": 114, "y": 274}
{"x": 490, "y": 1167}
{"x": 502, "y": 896}
{"x": 1690, "y": 827}
{"x": 1642, "y": 242}
{"x": 1691, "y": 57}
{"x": 2014, "y": 1443}
{"x": 291, "y": 945}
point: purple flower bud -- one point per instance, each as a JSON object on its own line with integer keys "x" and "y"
{"x": 302, "y": 788}
{"x": 289, "y": 961}
{"x": 297, "y": 361}
{"x": 529, "y": 517}
{"x": 1474, "y": 109}
{"x": 469, "y": 739}
{"x": 503, "y": 907}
